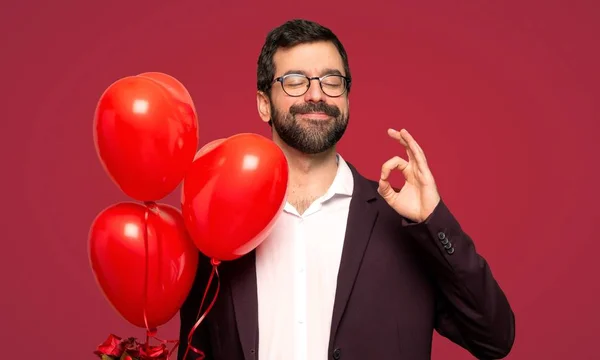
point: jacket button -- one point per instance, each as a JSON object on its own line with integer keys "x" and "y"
{"x": 441, "y": 235}
{"x": 337, "y": 353}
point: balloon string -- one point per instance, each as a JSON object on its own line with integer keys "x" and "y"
{"x": 215, "y": 273}
{"x": 165, "y": 342}
{"x": 149, "y": 332}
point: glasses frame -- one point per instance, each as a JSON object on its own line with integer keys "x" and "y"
{"x": 310, "y": 80}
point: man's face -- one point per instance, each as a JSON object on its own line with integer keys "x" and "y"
{"x": 314, "y": 122}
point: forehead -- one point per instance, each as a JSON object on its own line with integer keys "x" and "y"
{"x": 310, "y": 58}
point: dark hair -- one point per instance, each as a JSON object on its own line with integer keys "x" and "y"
{"x": 292, "y": 33}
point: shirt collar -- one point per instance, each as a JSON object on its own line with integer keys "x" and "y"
{"x": 343, "y": 183}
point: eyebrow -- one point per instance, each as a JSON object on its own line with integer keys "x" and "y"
{"x": 324, "y": 72}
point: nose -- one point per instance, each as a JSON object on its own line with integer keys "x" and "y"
{"x": 314, "y": 93}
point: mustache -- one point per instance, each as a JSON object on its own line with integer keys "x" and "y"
{"x": 320, "y": 107}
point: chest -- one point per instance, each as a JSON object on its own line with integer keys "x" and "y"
{"x": 313, "y": 240}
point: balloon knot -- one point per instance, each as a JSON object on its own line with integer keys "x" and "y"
{"x": 150, "y": 204}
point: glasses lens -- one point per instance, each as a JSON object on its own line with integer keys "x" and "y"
{"x": 333, "y": 85}
{"x": 295, "y": 85}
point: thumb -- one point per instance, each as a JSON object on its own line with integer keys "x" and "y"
{"x": 385, "y": 190}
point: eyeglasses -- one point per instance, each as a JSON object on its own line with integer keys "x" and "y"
{"x": 297, "y": 84}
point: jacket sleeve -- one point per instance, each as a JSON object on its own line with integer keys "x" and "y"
{"x": 472, "y": 309}
{"x": 188, "y": 315}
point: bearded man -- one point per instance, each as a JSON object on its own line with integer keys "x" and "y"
{"x": 353, "y": 269}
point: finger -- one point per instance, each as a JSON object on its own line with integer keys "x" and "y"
{"x": 414, "y": 148}
{"x": 395, "y": 134}
{"x": 394, "y": 163}
{"x": 385, "y": 189}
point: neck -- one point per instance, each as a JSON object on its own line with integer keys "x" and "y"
{"x": 305, "y": 169}
{"x": 310, "y": 175}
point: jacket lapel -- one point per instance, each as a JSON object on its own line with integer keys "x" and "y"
{"x": 245, "y": 303}
{"x": 361, "y": 219}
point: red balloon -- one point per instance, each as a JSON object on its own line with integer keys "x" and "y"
{"x": 118, "y": 258}
{"x": 145, "y": 137}
{"x": 208, "y": 147}
{"x": 173, "y": 85}
{"x": 233, "y": 194}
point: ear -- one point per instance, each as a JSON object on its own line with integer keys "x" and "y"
{"x": 263, "y": 105}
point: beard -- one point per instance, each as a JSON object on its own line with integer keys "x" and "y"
{"x": 310, "y": 136}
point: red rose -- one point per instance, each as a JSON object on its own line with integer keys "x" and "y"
{"x": 158, "y": 352}
{"x": 131, "y": 346}
{"x": 110, "y": 347}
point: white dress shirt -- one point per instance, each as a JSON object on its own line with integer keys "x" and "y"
{"x": 297, "y": 268}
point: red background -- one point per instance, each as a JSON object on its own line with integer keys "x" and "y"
{"x": 502, "y": 96}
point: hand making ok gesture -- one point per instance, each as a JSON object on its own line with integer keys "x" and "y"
{"x": 419, "y": 196}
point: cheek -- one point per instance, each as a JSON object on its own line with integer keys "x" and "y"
{"x": 281, "y": 103}
{"x": 343, "y": 105}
